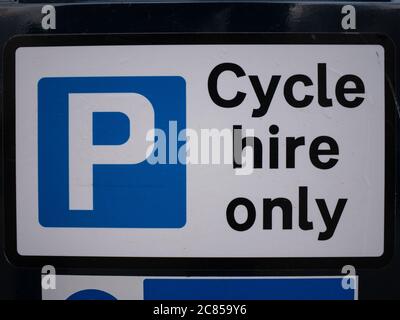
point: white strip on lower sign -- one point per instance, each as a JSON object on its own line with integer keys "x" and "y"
{"x": 69, "y": 287}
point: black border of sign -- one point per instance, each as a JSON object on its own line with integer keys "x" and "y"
{"x": 155, "y": 265}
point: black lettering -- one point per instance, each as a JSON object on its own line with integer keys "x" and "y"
{"x": 304, "y": 224}
{"x": 263, "y": 98}
{"x": 213, "y": 85}
{"x": 315, "y": 152}
{"x": 331, "y": 222}
{"x": 251, "y": 214}
{"x": 253, "y": 142}
{"x": 274, "y": 148}
{"x": 288, "y": 91}
{"x": 291, "y": 145}
{"x": 323, "y": 100}
{"x": 286, "y": 207}
{"x": 341, "y": 91}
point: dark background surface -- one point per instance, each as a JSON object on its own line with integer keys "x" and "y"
{"x": 380, "y": 17}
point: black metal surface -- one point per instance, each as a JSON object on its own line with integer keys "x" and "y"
{"x": 17, "y": 19}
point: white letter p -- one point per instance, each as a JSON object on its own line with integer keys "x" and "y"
{"x": 83, "y": 154}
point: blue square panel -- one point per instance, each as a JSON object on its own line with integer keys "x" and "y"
{"x": 124, "y": 195}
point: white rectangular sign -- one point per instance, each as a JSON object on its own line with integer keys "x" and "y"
{"x": 269, "y": 149}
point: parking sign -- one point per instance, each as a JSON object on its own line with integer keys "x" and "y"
{"x": 230, "y": 149}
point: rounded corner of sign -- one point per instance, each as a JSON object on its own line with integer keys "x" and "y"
{"x": 41, "y": 82}
{"x": 12, "y": 44}
{"x": 384, "y": 257}
{"x": 380, "y": 260}
{"x": 181, "y": 80}
{"x": 182, "y": 223}
{"x": 13, "y": 256}
{"x": 43, "y": 223}
{"x": 384, "y": 40}
{"x": 381, "y": 48}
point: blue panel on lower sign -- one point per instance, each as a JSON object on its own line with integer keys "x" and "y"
{"x": 247, "y": 289}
